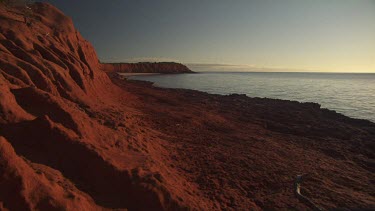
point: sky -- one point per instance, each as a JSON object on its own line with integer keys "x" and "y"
{"x": 263, "y": 35}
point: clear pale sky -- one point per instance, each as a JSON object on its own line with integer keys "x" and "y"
{"x": 311, "y": 35}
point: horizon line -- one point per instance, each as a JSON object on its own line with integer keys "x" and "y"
{"x": 323, "y": 72}
{"x": 257, "y": 68}
{"x": 228, "y": 65}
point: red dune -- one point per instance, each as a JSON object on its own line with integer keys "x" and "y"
{"x": 74, "y": 136}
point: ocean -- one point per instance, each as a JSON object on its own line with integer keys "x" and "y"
{"x": 350, "y": 94}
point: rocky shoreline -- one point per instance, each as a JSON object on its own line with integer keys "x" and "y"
{"x": 248, "y": 151}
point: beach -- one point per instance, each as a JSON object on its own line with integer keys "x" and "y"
{"x": 247, "y": 152}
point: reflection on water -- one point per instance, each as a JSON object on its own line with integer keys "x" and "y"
{"x": 350, "y": 94}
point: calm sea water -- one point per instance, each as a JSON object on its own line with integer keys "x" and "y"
{"x": 349, "y": 94}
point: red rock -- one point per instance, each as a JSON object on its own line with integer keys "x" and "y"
{"x": 30, "y": 186}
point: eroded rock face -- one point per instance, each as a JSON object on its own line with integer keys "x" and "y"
{"x": 146, "y": 67}
{"x": 50, "y": 55}
{"x": 31, "y": 186}
{"x": 55, "y": 101}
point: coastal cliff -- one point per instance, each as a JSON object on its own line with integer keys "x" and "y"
{"x": 61, "y": 143}
{"x": 146, "y": 67}
{"x": 74, "y": 136}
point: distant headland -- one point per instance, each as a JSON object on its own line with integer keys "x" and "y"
{"x": 146, "y": 67}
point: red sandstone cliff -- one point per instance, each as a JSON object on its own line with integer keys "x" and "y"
{"x": 50, "y": 55}
{"x": 61, "y": 146}
{"x": 146, "y": 67}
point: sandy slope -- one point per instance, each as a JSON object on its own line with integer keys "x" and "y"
{"x": 72, "y": 138}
